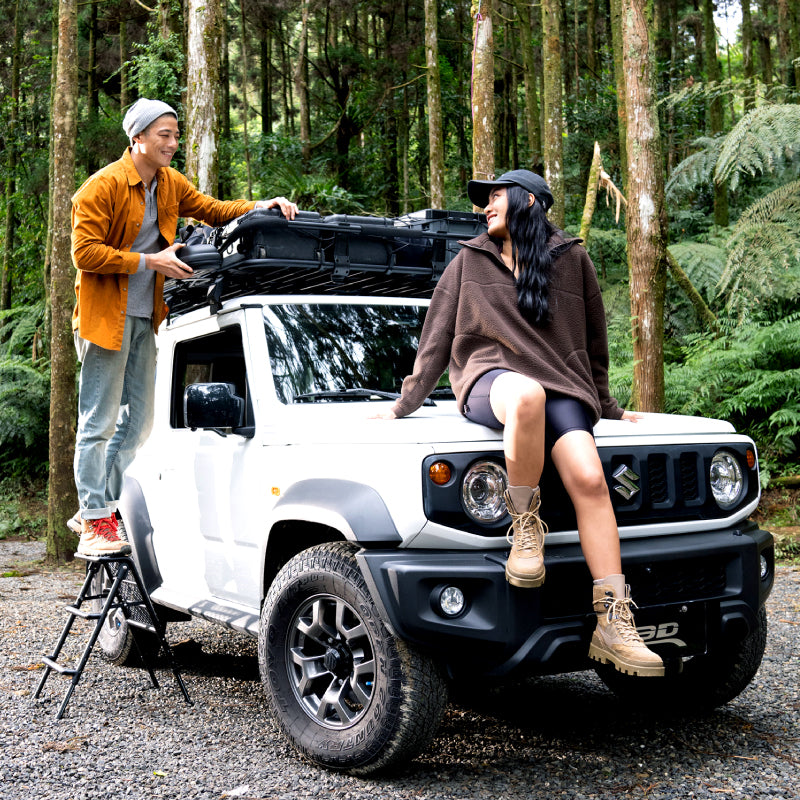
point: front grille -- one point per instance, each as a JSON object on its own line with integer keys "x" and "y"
{"x": 657, "y": 478}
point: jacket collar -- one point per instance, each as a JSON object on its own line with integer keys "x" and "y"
{"x": 132, "y": 174}
{"x": 558, "y": 244}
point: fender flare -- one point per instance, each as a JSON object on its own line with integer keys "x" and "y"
{"x": 133, "y": 507}
{"x": 357, "y": 510}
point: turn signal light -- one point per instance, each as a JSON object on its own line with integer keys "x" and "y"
{"x": 751, "y": 459}
{"x": 440, "y": 473}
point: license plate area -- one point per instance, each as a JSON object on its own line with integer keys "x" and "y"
{"x": 673, "y": 631}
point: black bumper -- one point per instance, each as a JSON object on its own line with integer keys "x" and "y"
{"x": 694, "y": 592}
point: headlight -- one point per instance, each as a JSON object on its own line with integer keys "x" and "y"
{"x": 727, "y": 483}
{"x": 482, "y": 491}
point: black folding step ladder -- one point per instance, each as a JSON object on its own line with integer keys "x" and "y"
{"x": 135, "y": 605}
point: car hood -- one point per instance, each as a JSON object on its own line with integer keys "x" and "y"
{"x": 354, "y": 423}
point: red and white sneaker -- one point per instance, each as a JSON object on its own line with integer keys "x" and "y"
{"x": 99, "y": 537}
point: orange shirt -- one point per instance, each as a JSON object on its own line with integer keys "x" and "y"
{"x": 107, "y": 214}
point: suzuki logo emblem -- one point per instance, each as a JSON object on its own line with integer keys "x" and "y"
{"x": 628, "y": 481}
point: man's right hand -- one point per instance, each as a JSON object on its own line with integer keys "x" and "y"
{"x": 167, "y": 263}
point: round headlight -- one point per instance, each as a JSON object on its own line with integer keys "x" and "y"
{"x": 482, "y": 491}
{"x": 727, "y": 483}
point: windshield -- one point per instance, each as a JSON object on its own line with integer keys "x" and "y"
{"x": 323, "y": 348}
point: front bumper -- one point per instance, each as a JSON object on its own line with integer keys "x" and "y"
{"x": 694, "y": 592}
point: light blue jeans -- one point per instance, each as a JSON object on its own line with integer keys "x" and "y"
{"x": 115, "y": 414}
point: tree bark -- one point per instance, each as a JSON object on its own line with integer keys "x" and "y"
{"x": 483, "y": 92}
{"x": 747, "y": 56}
{"x": 715, "y": 108}
{"x": 11, "y": 164}
{"x": 203, "y": 46}
{"x": 245, "y": 102}
{"x": 435, "y": 138}
{"x": 646, "y": 215}
{"x": 124, "y": 72}
{"x": 591, "y": 196}
{"x": 619, "y": 82}
{"x": 61, "y": 490}
{"x": 551, "y": 108}
{"x": 301, "y": 86}
{"x": 532, "y": 122}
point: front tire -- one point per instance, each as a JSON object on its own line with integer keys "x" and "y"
{"x": 706, "y": 682}
{"x": 346, "y": 692}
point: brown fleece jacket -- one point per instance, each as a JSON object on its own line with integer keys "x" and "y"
{"x": 473, "y": 325}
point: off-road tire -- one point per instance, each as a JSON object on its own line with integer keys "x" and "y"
{"x": 392, "y": 697}
{"x": 706, "y": 681}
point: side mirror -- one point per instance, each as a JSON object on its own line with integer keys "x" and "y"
{"x": 212, "y": 405}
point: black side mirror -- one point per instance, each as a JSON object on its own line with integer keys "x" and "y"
{"x": 212, "y": 405}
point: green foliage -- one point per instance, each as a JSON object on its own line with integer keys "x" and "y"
{"x": 750, "y": 377}
{"x": 703, "y": 262}
{"x": 763, "y": 268}
{"x": 24, "y": 393}
{"x": 157, "y": 67}
{"x": 695, "y": 170}
{"x": 766, "y": 139}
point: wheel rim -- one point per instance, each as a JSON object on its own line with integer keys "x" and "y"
{"x": 115, "y": 619}
{"x": 330, "y": 661}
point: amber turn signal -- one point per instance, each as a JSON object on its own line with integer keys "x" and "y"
{"x": 751, "y": 459}
{"x": 440, "y": 473}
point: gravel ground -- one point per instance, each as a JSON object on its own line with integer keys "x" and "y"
{"x": 561, "y": 737}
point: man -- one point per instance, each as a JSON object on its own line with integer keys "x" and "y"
{"x": 124, "y": 220}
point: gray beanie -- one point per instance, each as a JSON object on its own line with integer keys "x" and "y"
{"x": 142, "y": 113}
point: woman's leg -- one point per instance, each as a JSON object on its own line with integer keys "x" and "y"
{"x": 578, "y": 463}
{"x": 518, "y": 402}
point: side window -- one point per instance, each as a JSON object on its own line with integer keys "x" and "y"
{"x": 217, "y": 358}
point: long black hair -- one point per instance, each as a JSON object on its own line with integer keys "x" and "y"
{"x": 530, "y": 231}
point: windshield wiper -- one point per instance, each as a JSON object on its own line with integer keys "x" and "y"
{"x": 356, "y": 393}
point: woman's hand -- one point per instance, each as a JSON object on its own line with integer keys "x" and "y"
{"x": 384, "y": 415}
{"x": 632, "y": 416}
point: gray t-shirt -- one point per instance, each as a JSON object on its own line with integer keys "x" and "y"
{"x": 148, "y": 240}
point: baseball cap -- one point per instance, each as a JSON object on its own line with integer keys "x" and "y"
{"x": 478, "y": 191}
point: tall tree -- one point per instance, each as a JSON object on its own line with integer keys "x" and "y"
{"x": 482, "y": 91}
{"x": 61, "y": 490}
{"x": 301, "y": 85}
{"x": 619, "y": 83}
{"x": 747, "y": 56}
{"x": 11, "y": 163}
{"x": 203, "y": 46}
{"x": 646, "y": 211}
{"x": 435, "y": 137}
{"x": 533, "y": 124}
{"x": 552, "y": 108}
{"x": 715, "y": 108}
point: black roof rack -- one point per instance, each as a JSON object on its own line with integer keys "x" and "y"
{"x": 261, "y": 252}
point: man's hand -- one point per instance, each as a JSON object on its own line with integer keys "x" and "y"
{"x": 288, "y": 209}
{"x": 167, "y": 263}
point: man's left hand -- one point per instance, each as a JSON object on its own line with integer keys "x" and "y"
{"x": 288, "y": 209}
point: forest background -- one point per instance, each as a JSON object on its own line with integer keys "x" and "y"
{"x": 378, "y": 107}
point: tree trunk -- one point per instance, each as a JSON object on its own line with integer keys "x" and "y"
{"x": 552, "y": 111}
{"x": 266, "y": 82}
{"x": 124, "y": 72}
{"x": 62, "y": 500}
{"x": 245, "y": 102}
{"x": 301, "y": 86}
{"x": 619, "y": 81}
{"x": 591, "y": 196}
{"x": 646, "y": 214}
{"x": 435, "y": 138}
{"x": 715, "y": 108}
{"x": 203, "y": 45}
{"x": 747, "y": 56}
{"x": 704, "y": 313}
{"x": 92, "y": 90}
{"x": 11, "y": 164}
{"x": 532, "y": 122}
{"x": 784, "y": 46}
{"x": 482, "y": 92}
{"x": 51, "y": 181}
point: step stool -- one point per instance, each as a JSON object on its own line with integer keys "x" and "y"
{"x": 139, "y": 613}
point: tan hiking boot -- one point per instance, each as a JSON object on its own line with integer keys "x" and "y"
{"x": 525, "y": 565}
{"x": 99, "y": 538}
{"x": 615, "y": 639}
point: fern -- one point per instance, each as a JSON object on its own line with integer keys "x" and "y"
{"x": 704, "y": 263}
{"x": 695, "y": 170}
{"x": 764, "y": 253}
{"x": 766, "y": 139}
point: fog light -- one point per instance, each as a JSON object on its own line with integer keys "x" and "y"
{"x": 764, "y": 568}
{"x": 452, "y": 601}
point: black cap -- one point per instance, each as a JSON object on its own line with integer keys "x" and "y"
{"x": 478, "y": 191}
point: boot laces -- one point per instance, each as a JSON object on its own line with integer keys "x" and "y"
{"x": 530, "y": 531}
{"x": 619, "y": 612}
{"x": 106, "y": 529}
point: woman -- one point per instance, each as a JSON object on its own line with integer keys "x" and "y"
{"x": 518, "y": 318}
